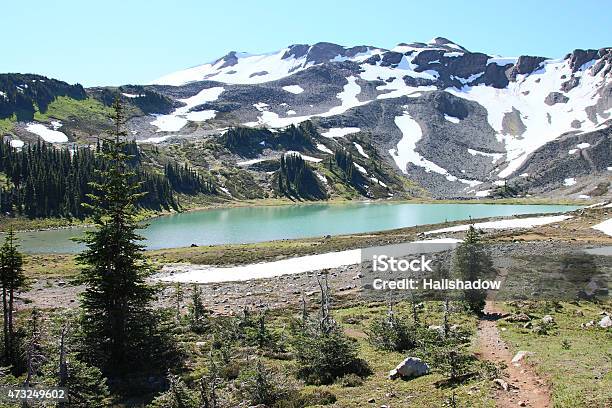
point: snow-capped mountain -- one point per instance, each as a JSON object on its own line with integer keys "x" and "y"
{"x": 443, "y": 114}
{"x": 456, "y": 122}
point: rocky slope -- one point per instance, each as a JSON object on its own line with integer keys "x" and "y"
{"x": 456, "y": 122}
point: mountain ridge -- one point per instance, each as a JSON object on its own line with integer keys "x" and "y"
{"x": 456, "y": 122}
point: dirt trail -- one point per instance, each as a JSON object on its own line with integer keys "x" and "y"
{"x": 525, "y": 388}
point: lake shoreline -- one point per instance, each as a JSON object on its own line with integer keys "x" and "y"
{"x": 21, "y": 224}
{"x": 251, "y": 225}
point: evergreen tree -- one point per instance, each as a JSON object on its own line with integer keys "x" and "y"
{"x": 322, "y": 350}
{"x": 177, "y": 396}
{"x": 198, "y": 315}
{"x": 12, "y": 280}
{"x": 296, "y": 179}
{"x": 472, "y": 262}
{"x": 120, "y": 329}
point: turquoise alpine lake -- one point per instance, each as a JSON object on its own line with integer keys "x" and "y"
{"x": 257, "y": 224}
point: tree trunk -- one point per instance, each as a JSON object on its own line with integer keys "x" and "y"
{"x": 5, "y": 322}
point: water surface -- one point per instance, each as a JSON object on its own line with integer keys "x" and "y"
{"x": 257, "y": 224}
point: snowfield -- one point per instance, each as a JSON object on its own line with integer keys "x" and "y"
{"x": 46, "y": 134}
{"x": 209, "y": 274}
{"x": 291, "y": 266}
{"x": 176, "y": 120}
{"x": 506, "y": 224}
{"x": 543, "y": 122}
{"x": 521, "y": 115}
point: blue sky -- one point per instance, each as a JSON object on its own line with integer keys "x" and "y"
{"x": 114, "y": 42}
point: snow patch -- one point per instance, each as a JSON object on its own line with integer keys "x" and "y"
{"x": 249, "y": 162}
{"x": 360, "y": 168}
{"x": 294, "y": 89}
{"x": 176, "y": 120}
{"x": 303, "y": 156}
{"x": 374, "y": 179}
{"x": 155, "y": 139}
{"x": 569, "y": 181}
{"x": 324, "y": 148}
{"x": 405, "y": 152}
{"x": 340, "y": 132}
{"x": 360, "y": 150}
{"x": 209, "y": 274}
{"x": 495, "y": 156}
{"x": 48, "y": 135}
{"x": 606, "y": 226}
{"x": 451, "y": 118}
{"x": 506, "y": 224}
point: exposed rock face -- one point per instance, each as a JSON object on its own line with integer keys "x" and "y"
{"x": 580, "y": 57}
{"x": 229, "y": 60}
{"x": 296, "y": 51}
{"x": 512, "y": 123}
{"x": 391, "y": 59}
{"x": 554, "y": 98}
{"x": 323, "y": 52}
{"x": 570, "y": 84}
{"x": 495, "y": 76}
{"x": 409, "y": 368}
{"x": 525, "y": 64}
{"x": 605, "y": 61}
{"x": 550, "y": 165}
{"x": 471, "y": 120}
{"x": 258, "y": 73}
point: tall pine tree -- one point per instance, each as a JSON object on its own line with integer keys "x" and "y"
{"x": 12, "y": 279}
{"x": 118, "y": 322}
{"x": 472, "y": 262}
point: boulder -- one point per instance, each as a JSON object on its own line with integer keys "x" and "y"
{"x": 520, "y": 317}
{"x": 409, "y": 368}
{"x": 520, "y": 356}
{"x": 605, "y": 322}
{"x": 548, "y": 319}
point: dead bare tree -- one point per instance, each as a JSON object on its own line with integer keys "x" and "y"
{"x": 326, "y": 321}
{"x": 33, "y": 351}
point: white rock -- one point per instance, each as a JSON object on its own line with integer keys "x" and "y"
{"x": 605, "y": 322}
{"x": 409, "y": 368}
{"x": 520, "y": 356}
{"x": 548, "y": 319}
